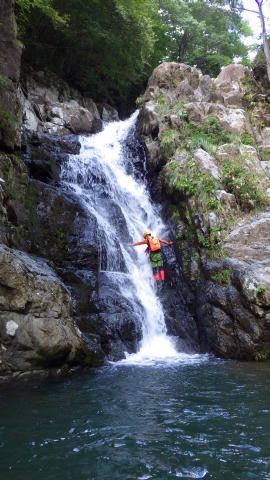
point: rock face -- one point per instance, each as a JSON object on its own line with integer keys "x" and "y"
{"x": 10, "y": 60}
{"x": 38, "y": 217}
{"x": 37, "y": 330}
{"x": 207, "y": 149}
{"x": 49, "y": 105}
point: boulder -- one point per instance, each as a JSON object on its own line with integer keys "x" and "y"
{"x": 46, "y": 153}
{"x": 233, "y": 120}
{"x": 228, "y": 86}
{"x": 107, "y": 113}
{"x": 170, "y": 75}
{"x": 36, "y": 327}
{"x": 50, "y": 106}
{"x": 251, "y": 241}
{"x": 265, "y": 139}
{"x": 206, "y": 163}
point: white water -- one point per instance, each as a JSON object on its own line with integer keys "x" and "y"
{"x": 102, "y": 162}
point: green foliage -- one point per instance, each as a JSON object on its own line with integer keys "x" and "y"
{"x": 203, "y": 241}
{"x": 162, "y": 109}
{"x": 207, "y": 135}
{"x": 202, "y": 33}
{"x": 176, "y": 215}
{"x": 101, "y": 47}
{"x": 188, "y": 180}
{"x": 25, "y": 8}
{"x": 108, "y": 48}
{"x": 265, "y": 156}
{"x": 212, "y": 204}
{"x": 169, "y": 141}
{"x": 261, "y": 289}
{"x": 246, "y": 139}
{"x": 139, "y": 101}
{"x": 179, "y": 110}
{"x": 264, "y": 354}
{"x": 243, "y": 183}
{"x": 222, "y": 277}
{"x": 197, "y": 257}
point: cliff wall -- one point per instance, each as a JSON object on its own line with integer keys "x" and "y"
{"x": 208, "y": 147}
{"x": 10, "y": 61}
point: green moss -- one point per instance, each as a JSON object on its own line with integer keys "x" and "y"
{"x": 197, "y": 257}
{"x": 61, "y": 241}
{"x": 8, "y": 126}
{"x": 4, "y": 81}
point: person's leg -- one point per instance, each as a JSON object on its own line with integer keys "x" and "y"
{"x": 154, "y": 263}
{"x": 160, "y": 266}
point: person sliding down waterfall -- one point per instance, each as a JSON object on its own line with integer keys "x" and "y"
{"x": 154, "y": 248}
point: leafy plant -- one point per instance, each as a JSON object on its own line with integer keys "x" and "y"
{"x": 213, "y": 203}
{"x": 180, "y": 110}
{"x": 222, "y": 277}
{"x": 188, "y": 180}
{"x": 203, "y": 241}
{"x": 243, "y": 183}
{"x": 264, "y": 354}
{"x": 139, "y": 101}
{"x": 169, "y": 141}
{"x": 261, "y": 290}
{"x": 246, "y": 139}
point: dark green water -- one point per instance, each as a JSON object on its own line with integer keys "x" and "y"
{"x": 209, "y": 419}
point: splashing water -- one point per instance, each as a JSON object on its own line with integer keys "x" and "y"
{"x": 103, "y": 170}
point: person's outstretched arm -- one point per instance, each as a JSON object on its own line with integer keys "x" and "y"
{"x": 165, "y": 241}
{"x": 143, "y": 242}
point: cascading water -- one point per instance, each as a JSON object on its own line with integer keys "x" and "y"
{"x": 103, "y": 171}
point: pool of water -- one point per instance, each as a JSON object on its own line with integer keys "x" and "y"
{"x": 195, "y": 418}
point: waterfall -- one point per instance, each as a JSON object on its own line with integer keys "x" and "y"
{"x": 103, "y": 171}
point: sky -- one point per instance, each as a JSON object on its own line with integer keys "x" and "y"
{"x": 254, "y": 20}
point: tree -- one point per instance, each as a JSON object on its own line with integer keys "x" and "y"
{"x": 107, "y": 49}
{"x": 239, "y": 6}
{"x": 264, "y": 37}
{"x": 203, "y": 33}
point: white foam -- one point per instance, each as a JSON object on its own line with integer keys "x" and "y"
{"x": 103, "y": 158}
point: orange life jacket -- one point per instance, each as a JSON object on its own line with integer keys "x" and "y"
{"x": 154, "y": 243}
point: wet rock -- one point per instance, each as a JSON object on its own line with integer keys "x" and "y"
{"x": 116, "y": 323}
{"x": 10, "y": 61}
{"x": 177, "y": 300}
{"x": 46, "y": 153}
{"x": 36, "y": 326}
{"x": 107, "y": 113}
